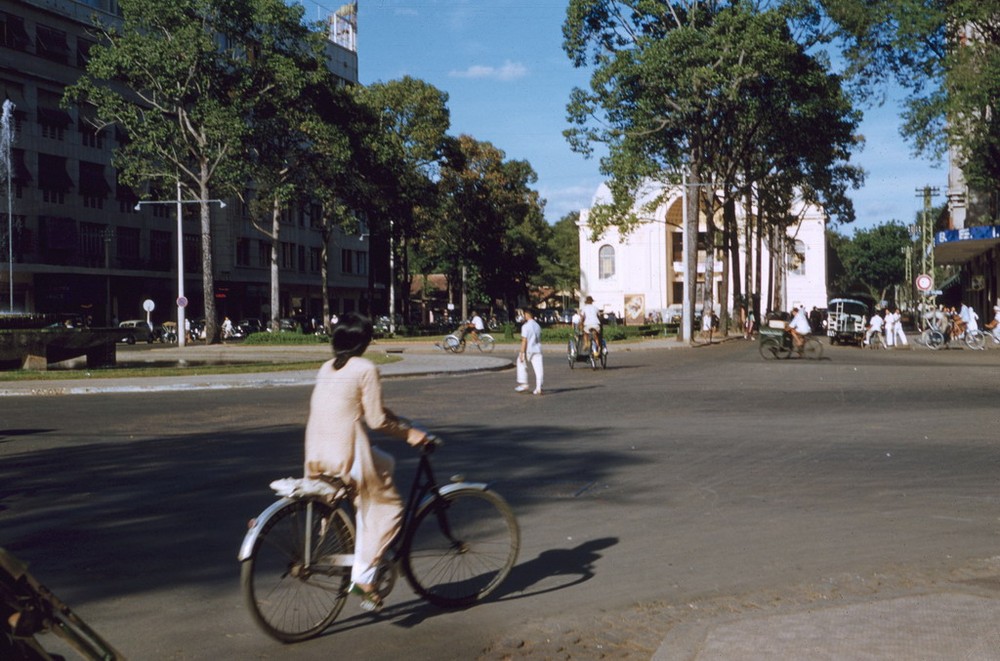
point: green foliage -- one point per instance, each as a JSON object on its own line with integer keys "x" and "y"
{"x": 285, "y": 337}
{"x": 560, "y": 263}
{"x": 874, "y": 259}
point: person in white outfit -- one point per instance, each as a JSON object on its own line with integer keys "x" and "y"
{"x": 891, "y": 319}
{"x": 875, "y": 325}
{"x": 900, "y": 337}
{"x": 531, "y": 351}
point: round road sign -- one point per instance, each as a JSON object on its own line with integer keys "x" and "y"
{"x": 148, "y": 305}
{"x": 924, "y": 282}
{"x": 182, "y": 302}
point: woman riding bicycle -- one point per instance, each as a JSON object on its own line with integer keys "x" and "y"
{"x": 347, "y": 402}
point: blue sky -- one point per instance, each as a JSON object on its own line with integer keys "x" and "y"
{"x": 508, "y": 80}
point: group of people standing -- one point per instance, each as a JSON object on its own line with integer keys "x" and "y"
{"x": 889, "y": 323}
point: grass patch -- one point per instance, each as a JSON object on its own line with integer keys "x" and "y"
{"x": 136, "y": 372}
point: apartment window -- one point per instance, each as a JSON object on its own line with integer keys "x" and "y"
{"x": 93, "y": 186}
{"x": 264, "y": 253}
{"x": 302, "y": 259}
{"x": 12, "y": 32}
{"x": 53, "y": 178}
{"x": 361, "y": 262}
{"x": 347, "y": 261}
{"x": 159, "y": 247}
{"x": 92, "y": 243}
{"x": 315, "y": 259}
{"x": 83, "y": 47}
{"x": 51, "y": 44}
{"x": 127, "y": 246}
{"x": 797, "y": 258}
{"x": 242, "y": 252}
{"x": 52, "y": 119}
{"x": 192, "y": 252}
{"x": 288, "y": 255}
{"x": 605, "y": 262}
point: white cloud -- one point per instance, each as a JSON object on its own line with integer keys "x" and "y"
{"x": 506, "y": 72}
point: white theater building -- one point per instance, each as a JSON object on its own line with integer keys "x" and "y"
{"x": 643, "y": 272}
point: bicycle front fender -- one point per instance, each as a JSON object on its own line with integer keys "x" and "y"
{"x": 451, "y": 488}
{"x": 255, "y": 526}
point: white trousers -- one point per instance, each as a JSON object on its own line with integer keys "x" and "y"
{"x": 536, "y": 367}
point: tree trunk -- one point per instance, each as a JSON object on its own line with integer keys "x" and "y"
{"x": 207, "y": 264}
{"x": 324, "y": 271}
{"x": 708, "y": 304}
{"x": 275, "y": 271}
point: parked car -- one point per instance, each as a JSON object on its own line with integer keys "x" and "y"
{"x": 135, "y": 330}
{"x": 249, "y": 326}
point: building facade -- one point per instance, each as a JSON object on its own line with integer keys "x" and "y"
{"x": 80, "y": 246}
{"x": 641, "y": 274}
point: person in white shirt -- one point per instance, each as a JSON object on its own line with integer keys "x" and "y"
{"x": 799, "y": 328}
{"x": 875, "y": 325}
{"x": 531, "y": 351}
{"x": 891, "y": 320}
{"x": 900, "y": 337}
{"x": 590, "y": 320}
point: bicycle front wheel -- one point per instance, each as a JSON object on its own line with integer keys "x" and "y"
{"x": 770, "y": 349}
{"x": 462, "y": 546}
{"x": 451, "y": 343}
{"x": 292, "y": 582}
{"x": 975, "y": 340}
{"x": 812, "y": 349}
{"x": 571, "y": 353}
{"x": 486, "y": 343}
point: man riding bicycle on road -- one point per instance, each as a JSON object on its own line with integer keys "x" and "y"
{"x": 474, "y": 327}
{"x": 590, "y": 321}
{"x": 799, "y": 328}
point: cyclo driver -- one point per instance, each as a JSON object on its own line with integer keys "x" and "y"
{"x": 799, "y": 328}
{"x": 590, "y": 321}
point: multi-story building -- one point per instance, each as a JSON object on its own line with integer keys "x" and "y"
{"x": 79, "y": 244}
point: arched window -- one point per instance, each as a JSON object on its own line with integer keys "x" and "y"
{"x": 605, "y": 262}
{"x": 797, "y": 258}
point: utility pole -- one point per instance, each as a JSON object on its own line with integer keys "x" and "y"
{"x": 927, "y": 239}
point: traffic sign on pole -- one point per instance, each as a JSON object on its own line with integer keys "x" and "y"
{"x": 924, "y": 282}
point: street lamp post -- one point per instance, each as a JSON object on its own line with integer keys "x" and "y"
{"x": 181, "y": 299}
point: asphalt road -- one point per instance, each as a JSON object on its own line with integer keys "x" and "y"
{"x": 673, "y": 485}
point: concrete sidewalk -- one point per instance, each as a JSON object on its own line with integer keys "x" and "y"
{"x": 931, "y": 627}
{"x": 417, "y": 359}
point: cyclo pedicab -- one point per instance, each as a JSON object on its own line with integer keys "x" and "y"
{"x": 581, "y": 347}
{"x": 776, "y": 342}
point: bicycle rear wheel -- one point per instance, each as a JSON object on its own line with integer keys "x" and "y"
{"x": 932, "y": 339}
{"x": 290, "y": 597}
{"x": 462, "y": 546}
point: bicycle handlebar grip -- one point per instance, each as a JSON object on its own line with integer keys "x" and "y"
{"x": 433, "y": 442}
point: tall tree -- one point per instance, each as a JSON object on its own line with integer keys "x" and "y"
{"x": 875, "y": 259}
{"x": 560, "y": 262}
{"x": 413, "y": 119}
{"x": 182, "y": 79}
{"x": 947, "y": 56}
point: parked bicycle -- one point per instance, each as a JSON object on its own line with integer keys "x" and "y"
{"x": 458, "y": 542}
{"x": 28, "y": 609}
{"x": 455, "y": 342}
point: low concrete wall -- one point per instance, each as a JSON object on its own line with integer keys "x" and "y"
{"x": 35, "y": 348}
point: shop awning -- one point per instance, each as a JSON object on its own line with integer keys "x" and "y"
{"x": 92, "y": 181}
{"x": 52, "y": 173}
{"x": 961, "y": 246}
{"x": 54, "y": 117}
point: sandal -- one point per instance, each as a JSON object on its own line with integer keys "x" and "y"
{"x": 370, "y": 601}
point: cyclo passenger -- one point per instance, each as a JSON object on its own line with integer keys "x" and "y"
{"x": 590, "y": 321}
{"x": 798, "y": 328}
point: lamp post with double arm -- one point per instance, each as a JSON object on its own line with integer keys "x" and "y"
{"x": 181, "y": 299}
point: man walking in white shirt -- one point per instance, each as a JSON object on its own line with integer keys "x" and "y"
{"x": 531, "y": 351}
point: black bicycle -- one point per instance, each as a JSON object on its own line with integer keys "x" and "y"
{"x": 458, "y": 542}
{"x": 29, "y": 609}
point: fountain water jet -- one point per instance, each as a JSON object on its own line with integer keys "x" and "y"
{"x": 6, "y": 145}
